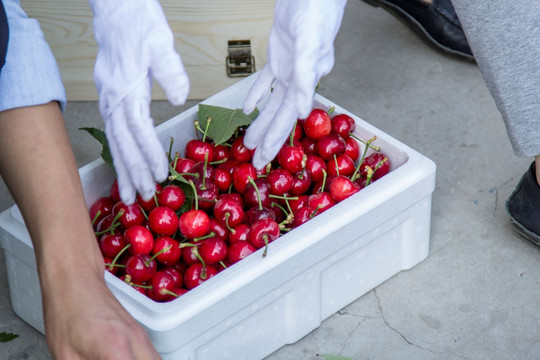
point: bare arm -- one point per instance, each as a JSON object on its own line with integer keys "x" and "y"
{"x": 82, "y": 317}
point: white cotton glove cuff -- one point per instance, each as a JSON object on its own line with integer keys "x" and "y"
{"x": 135, "y": 45}
{"x": 300, "y": 52}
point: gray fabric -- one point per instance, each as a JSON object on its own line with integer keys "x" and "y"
{"x": 504, "y": 36}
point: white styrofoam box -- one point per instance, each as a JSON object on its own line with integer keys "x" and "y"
{"x": 260, "y": 304}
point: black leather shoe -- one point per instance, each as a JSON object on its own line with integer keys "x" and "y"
{"x": 436, "y": 23}
{"x": 523, "y": 206}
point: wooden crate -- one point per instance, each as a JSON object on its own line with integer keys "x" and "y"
{"x": 202, "y": 30}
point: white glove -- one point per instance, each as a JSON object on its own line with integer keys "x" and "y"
{"x": 135, "y": 44}
{"x": 300, "y": 52}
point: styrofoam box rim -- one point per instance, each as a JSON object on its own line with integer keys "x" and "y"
{"x": 408, "y": 167}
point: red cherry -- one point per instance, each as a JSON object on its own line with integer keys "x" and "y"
{"x": 321, "y": 201}
{"x": 252, "y": 194}
{"x": 330, "y": 145}
{"x": 239, "y": 151}
{"x": 176, "y": 275}
{"x": 197, "y": 273}
{"x": 263, "y": 232}
{"x": 220, "y": 231}
{"x": 343, "y": 124}
{"x": 373, "y": 160}
{"x": 141, "y": 267}
{"x": 140, "y": 238}
{"x": 241, "y": 233}
{"x": 298, "y": 131}
{"x": 223, "y": 179}
{"x": 316, "y": 167}
{"x": 166, "y": 250}
{"x": 240, "y": 250}
{"x": 301, "y": 182}
{"x": 301, "y": 201}
{"x": 111, "y": 244}
{"x": 148, "y": 205}
{"x": 183, "y": 165}
{"x": 101, "y": 208}
{"x": 241, "y": 175}
{"x": 280, "y": 181}
{"x": 193, "y": 224}
{"x": 162, "y": 286}
{"x": 213, "y": 250}
{"x": 172, "y": 196}
{"x": 133, "y": 214}
{"x": 291, "y": 158}
{"x": 317, "y": 124}
{"x": 309, "y": 145}
{"x": 206, "y": 194}
{"x": 198, "y": 150}
{"x": 163, "y": 221}
{"x": 221, "y": 152}
{"x": 255, "y": 213}
{"x": 342, "y": 187}
{"x": 114, "y": 192}
{"x": 228, "y": 212}
{"x": 303, "y": 214}
{"x": 190, "y": 254}
{"x": 341, "y": 164}
{"x": 352, "y": 148}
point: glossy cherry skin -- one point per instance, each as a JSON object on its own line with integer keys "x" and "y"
{"x": 241, "y": 233}
{"x": 103, "y": 206}
{"x": 255, "y": 213}
{"x": 343, "y": 124}
{"x": 280, "y": 181}
{"x": 342, "y": 187}
{"x": 133, "y": 214}
{"x": 175, "y": 274}
{"x": 221, "y": 152}
{"x": 162, "y": 220}
{"x": 148, "y": 205}
{"x": 206, "y": 194}
{"x": 183, "y": 165}
{"x": 194, "y": 223}
{"x": 341, "y": 164}
{"x": 291, "y": 158}
{"x": 172, "y": 196}
{"x": 251, "y": 196}
{"x": 316, "y": 166}
{"x": 240, "y": 250}
{"x": 196, "y": 274}
{"x": 223, "y": 179}
{"x": 239, "y": 151}
{"x": 301, "y": 182}
{"x": 141, "y": 267}
{"x": 114, "y": 191}
{"x": 309, "y": 145}
{"x": 317, "y": 124}
{"x": 321, "y": 201}
{"x": 198, "y": 150}
{"x": 167, "y": 251}
{"x": 372, "y": 161}
{"x": 330, "y": 145}
{"x": 213, "y": 250}
{"x": 263, "y": 232}
{"x": 140, "y": 238}
{"x": 241, "y": 175}
{"x": 111, "y": 244}
{"x": 352, "y": 148}
{"x": 303, "y": 214}
{"x": 218, "y": 229}
{"x": 228, "y": 212}
{"x": 162, "y": 286}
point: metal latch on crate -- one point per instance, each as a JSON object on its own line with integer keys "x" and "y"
{"x": 240, "y": 62}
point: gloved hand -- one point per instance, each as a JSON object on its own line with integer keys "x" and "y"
{"x": 300, "y": 52}
{"x": 135, "y": 44}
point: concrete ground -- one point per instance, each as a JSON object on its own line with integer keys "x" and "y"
{"x": 474, "y": 296}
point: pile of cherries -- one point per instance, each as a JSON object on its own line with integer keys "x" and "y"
{"x": 216, "y": 208}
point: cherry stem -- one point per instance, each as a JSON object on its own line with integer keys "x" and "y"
{"x": 371, "y": 172}
{"x": 335, "y": 162}
{"x": 194, "y": 194}
{"x": 355, "y": 173}
{"x": 265, "y": 237}
{"x": 331, "y": 110}
{"x": 113, "y": 263}
{"x": 227, "y": 216}
{"x": 95, "y": 218}
{"x": 323, "y": 181}
{"x": 113, "y": 225}
{"x": 197, "y": 127}
{"x": 252, "y": 182}
{"x": 217, "y": 162}
{"x": 374, "y": 147}
{"x": 291, "y": 136}
{"x": 223, "y": 264}
{"x": 203, "y": 187}
{"x": 208, "y": 119}
{"x": 164, "y": 250}
{"x": 207, "y": 236}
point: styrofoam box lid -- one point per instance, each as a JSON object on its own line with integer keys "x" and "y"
{"x": 407, "y": 167}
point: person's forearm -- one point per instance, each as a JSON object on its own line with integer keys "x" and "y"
{"x": 39, "y": 168}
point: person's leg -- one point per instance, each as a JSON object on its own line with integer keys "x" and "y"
{"x": 505, "y": 38}
{"x": 435, "y": 21}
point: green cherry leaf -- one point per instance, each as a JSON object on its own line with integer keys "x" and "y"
{"x": 224, "y": 121}
{"x": 99, "y": 135}
{"x": 7, "y": 336}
